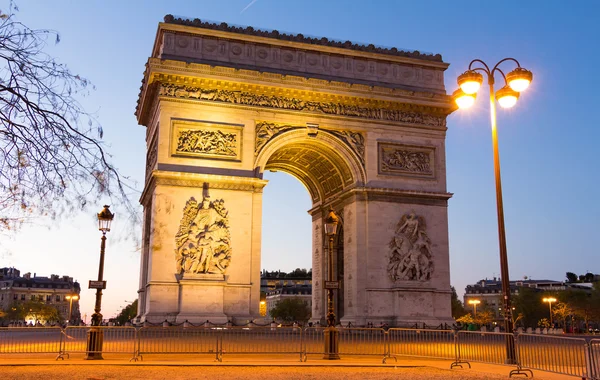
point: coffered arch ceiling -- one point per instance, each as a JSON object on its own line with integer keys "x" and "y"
{"x": 319, "y": 163}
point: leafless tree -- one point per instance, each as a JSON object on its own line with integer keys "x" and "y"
{"x": 51, "y": 154}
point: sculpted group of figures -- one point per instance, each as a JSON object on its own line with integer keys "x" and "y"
{"x": 206, "y": 142}
{"x": 406, "y": 160}
{"x": 203, "y": 239}
{"x": 411, "y": 251}
{"x": 246, "y": 98}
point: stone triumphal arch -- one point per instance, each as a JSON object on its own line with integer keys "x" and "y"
{"x": 363, "y": 128}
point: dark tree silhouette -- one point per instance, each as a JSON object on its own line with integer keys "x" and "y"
{"x": 51, "y": 154}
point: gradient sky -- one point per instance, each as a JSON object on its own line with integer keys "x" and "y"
{"x": 548, "y": 141}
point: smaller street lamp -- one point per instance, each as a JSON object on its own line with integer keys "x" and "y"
{"x": 474, "y": 303}
{"x": 550, "y": 300}
{"x": 95, "y": 335}
{"x": 331, "y": 334}
{"x": 71, "y": 298}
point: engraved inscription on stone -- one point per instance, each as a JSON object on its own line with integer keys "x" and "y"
{"x": 410, "y": 258}
{"x": 396, "y": 159}
{"x": 201, "y": 139}
{"x": 203, "y": 239}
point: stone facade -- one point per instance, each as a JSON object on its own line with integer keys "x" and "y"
{"x": 362, "y": 128}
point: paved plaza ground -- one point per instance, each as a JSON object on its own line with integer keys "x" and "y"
{"x": 242, "y": 369}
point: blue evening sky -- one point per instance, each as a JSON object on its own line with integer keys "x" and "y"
{"x": 548, "y": 141}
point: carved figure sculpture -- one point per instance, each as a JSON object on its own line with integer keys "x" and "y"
{"x": 411, "y": 257}
{"x": 203, "y": 239}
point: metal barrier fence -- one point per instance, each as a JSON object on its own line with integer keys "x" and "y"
{"x": 115, "y": 340}
{"x": 359, "y": 341}
{"x": 313, "y": 339}
{"x": 594, "y": 358}
{"x": 421, "y": 343}
{"x": 262, "y": 340}
{"x": 568, "y": 356}
{"x": 178, "y": 340}
{"x": 564, "y": 355}
{"x": 30, "y": 340}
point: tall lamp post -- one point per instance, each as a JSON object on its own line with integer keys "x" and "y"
{"x": 550, "y": 300}
{"x": 515, "y": 82}
{"x": 474, "y": 303}
{"x": 95, "y": 335}
{"x": 331, "y": 334}
{"x": 71, "y": 298}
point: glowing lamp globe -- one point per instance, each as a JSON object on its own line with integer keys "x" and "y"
{"x": 463, "y": 100}
{"x": 519, "y": 79}
{"x": 470, "y": 81}
{"x": 507, "y": 97}
{"x": 105, "y": 218}
{"x": 331, "y": 222}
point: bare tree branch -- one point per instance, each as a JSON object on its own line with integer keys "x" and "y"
{"x": 51, "y": 154}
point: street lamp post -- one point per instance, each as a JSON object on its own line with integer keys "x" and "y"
{"x": 514, "y": 82}
{"x": 331, "y": 334}
{"x": 71, "y": 298}
{"x": 550, "y": 300}
{"x": 95, "y": 335}
{"x": 474, "y": 303}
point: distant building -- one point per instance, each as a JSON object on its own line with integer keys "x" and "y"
{"x": 304, "y": 292}
{"x": 52, "y": 290}
{"x": 490, "y": 291}
{"x": 272, "y": 280}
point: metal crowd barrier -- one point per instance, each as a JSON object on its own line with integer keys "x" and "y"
{"x": 567, "y": 356}
{"x": 594, "y": 359}
{"x": 421, "y": 343}
{"x": 313, "y": 339}
{"x": 359, "y": 341}
{"x": 178, "y": 340}
{"x": 563, "y": 355}
{"x": 30, "y": 340}
{"x": 115, "y": 340}
{"x": 262, "y": 340}
{"x": 488, "y": 347}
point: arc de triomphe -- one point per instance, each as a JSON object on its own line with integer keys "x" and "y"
{"x": 363, "y": 128}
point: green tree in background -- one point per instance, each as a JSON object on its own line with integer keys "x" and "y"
{"x": 458, "y": 308}
{"x": 128, "y": 313}
{"x": 290, "y": 310}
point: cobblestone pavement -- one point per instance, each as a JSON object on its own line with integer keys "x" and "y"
{"x": 106, "y": 372}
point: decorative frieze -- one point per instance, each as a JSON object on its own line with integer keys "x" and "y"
{"x": 411, "y": 257}
{"x": 208, "y": 140}
{"x": 406, "y": 160}
{"x": 355, "y": 140}
{"x": 265, "y": 131}
{"x": 203, "y": 240}
{"x": 296, "y": 104}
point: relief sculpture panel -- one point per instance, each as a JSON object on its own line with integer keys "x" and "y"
{"x": 411, "y": 258}
{"x": 203, "y": 240}
{"x": 209, "y": 140}
{"x": 406, "y": 160}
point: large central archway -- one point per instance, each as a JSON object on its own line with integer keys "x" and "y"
{"x": 362, "y": 128}
{"x": 327, "y": 168}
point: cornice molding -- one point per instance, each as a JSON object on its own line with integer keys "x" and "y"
{"x": 165, "y": 178}
{"x": 173, "y": 71}
{"x": 274, "y": 34}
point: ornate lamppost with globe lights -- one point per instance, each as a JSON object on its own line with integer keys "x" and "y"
{"x": 515, "y": 82}
{"x": 95, "y": 334}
